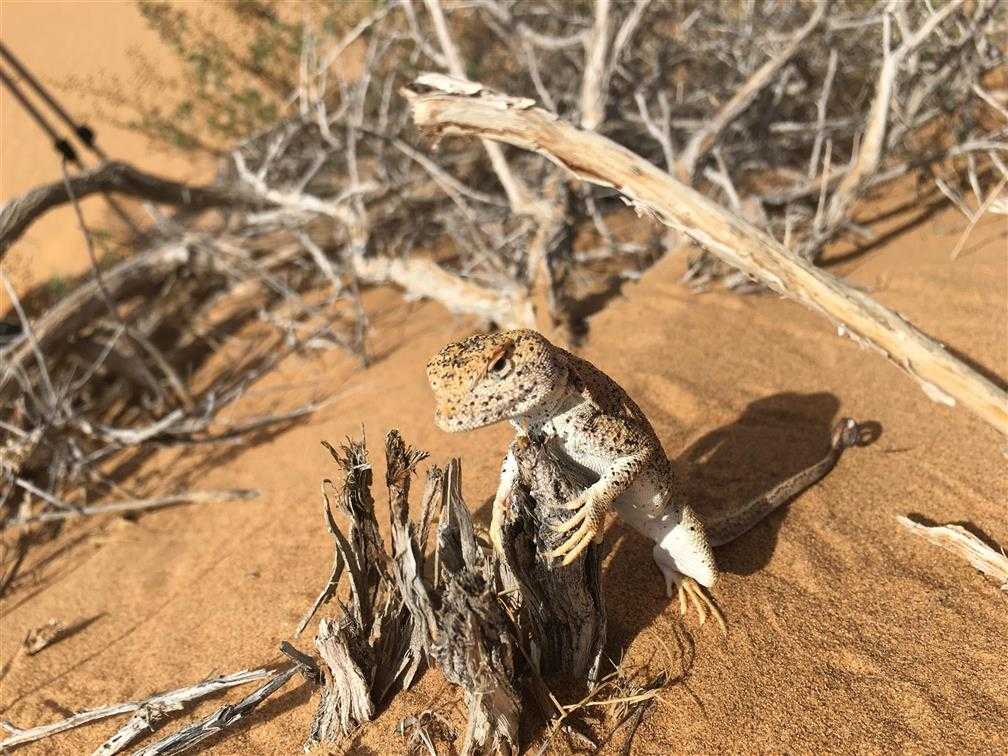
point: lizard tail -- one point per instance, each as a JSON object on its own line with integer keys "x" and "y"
{"x": 733, "y": 524}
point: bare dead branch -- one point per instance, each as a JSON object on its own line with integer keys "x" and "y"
{"x": 702, "y": 141}
{"x": 869, "y": 155}
{"x": 225, "y": 717}
{"x": 137, "y": 505}
{"x": 424, "y": 278}
{"x": 594, "y": 158}
{"x": 518, "y": 194}
{"x": 148, "y": 711}
{"x": 593, "y": 82}
{"x": 121, "y": 178}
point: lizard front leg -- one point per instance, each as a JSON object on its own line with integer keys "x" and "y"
{"x": 592, "y": 504}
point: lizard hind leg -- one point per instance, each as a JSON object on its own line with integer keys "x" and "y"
{"x": 691, "y": 594}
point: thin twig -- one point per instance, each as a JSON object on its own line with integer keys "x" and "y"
{"x": 154, "y": 705}
{"x": 137, "y": 505}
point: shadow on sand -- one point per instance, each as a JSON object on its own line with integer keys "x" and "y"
{"x": 774, "y": 438}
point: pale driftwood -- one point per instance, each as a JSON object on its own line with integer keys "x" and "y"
{"x": 592, "y": 157}
{"x": 149, "y": 708}
{"x": 420, "y": 277}
{"x": 705, "y": 137}
{"x": 225, "y": 717}
{"x": 962, "y": 543}
{"x": 137, "y": 505}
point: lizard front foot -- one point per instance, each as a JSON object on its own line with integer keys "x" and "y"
{"x": 591, "y": 517}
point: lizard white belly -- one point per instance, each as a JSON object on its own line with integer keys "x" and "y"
{"x": 566, "y": 437}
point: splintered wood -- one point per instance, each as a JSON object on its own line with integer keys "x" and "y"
{"x": 962, "y": 543}
{"x": 467, "y": 612}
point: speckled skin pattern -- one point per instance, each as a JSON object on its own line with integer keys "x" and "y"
{"x": 522, "y": 377}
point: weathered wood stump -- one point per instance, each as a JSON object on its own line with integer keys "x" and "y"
{"x": 471, "y": 614}
{"x": 563, "y": 605}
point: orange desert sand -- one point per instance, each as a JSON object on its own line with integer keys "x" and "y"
{"x": 846, "y": 633}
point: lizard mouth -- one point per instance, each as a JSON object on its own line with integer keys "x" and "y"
{"x": 446, "y": 421}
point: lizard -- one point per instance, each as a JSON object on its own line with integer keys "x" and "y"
{"x": 542, "y": 389}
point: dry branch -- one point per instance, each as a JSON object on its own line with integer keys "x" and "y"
{"x": 868, "y": 159}
{"x": 594, "y": 86}
{"x": 706, "y": 137}
{"x": 227, "y": 716}
{"x": 421, "y": 277}
{"x": 517, "y": 192}
{"x": 962, "y": 543}
{"x": 19, "y": 213}
{"x": 594, "y": 158}
{"x": 137, "y": 505}
{"x": 148, "y": 711}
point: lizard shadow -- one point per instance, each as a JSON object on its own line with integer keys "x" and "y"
{"x": 774, "y": 438}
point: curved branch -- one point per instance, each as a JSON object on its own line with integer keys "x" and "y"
{"x": 121, "y": 178}
{"x": 592, "y": 157}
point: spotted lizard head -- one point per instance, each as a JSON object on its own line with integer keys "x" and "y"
{"x": 488, "y": 378}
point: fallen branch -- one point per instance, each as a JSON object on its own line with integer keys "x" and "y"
{"x": 963, "y": 544}
{"x": 137, "y": 505}
{"x": 19, "y": 213}
{"x": 227, "y": 716}
{"x": 592, "y": 157}
{"x": 148, "y": 710}
{"x": 420, "y": 277}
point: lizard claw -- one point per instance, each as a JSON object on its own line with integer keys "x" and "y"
{"x": 590, "y": 518}
{"x": 691, "y": 593}
{"x": 578, "y": 542}
{"x": 566, "y": 525}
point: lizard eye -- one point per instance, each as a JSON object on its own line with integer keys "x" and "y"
{"x": 500, "y": 367}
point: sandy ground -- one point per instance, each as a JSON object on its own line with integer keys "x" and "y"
{"x": 846, "y": 633}
{"x": 73, "y": 47}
